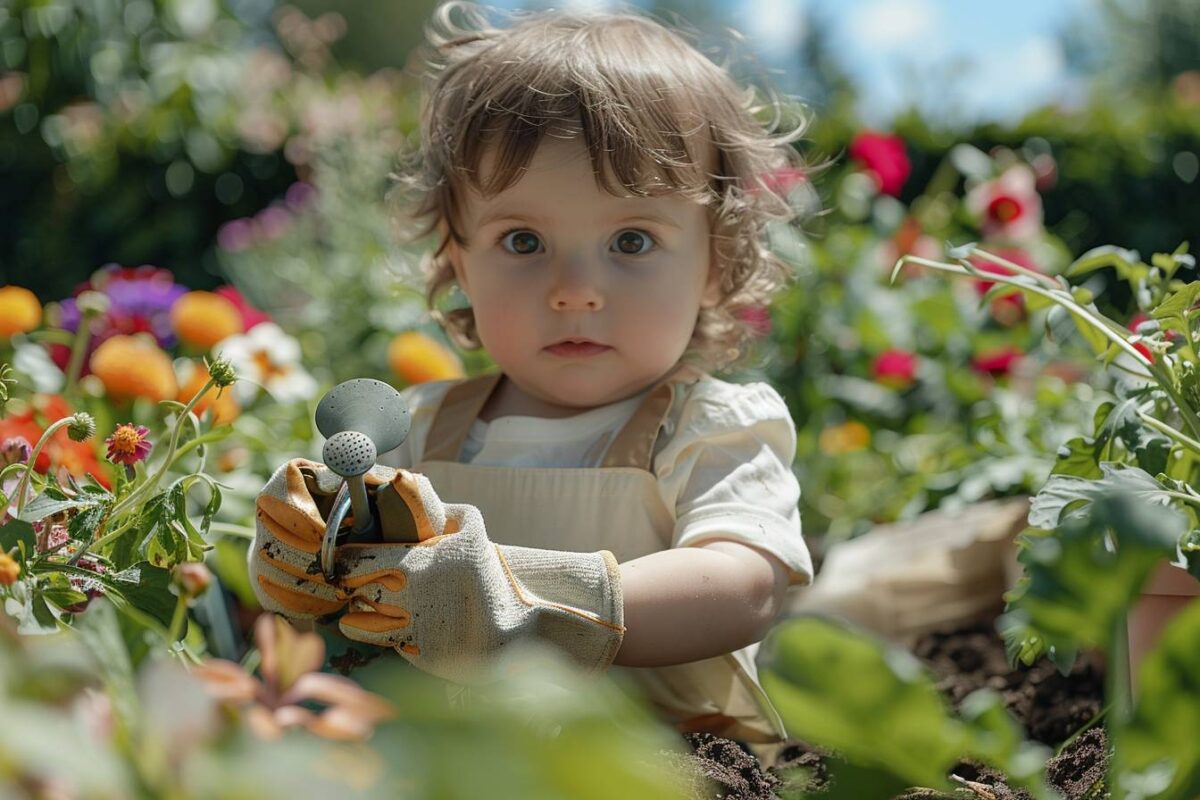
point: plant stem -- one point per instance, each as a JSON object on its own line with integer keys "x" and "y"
{"x": 1161, "y": 427}
{"x": 178, "y": 619}
{"x": 79, "y": 345}
{"x": 1119, "y": 689}
{"x": 23, "y": 486}
{"x": 239, "y": 531}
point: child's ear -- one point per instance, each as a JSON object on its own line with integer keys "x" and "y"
{"x": 454, "y": 256}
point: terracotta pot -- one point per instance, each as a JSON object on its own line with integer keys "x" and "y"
{"x": 1165, "y": 594}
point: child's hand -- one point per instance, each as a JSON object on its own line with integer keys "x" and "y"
{"x": 285, "y": 568}
{"x": 449, "y": 603}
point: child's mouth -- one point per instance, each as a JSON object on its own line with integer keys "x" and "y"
{"x": 577, "y": 349}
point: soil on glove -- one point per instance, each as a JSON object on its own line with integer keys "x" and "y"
{"x": 1052, "y": 707}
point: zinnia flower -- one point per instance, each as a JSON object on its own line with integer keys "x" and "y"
{"x": 895, "y": 368}
{"x": 128, "y": 444}
{"x": 884, "y": 158}
{"x": 204, "y": 318}
{"x": 417, "y": 358}
{"x": 20, "y": 311}
{"x": 1009, "y": 206}
{"x": 134, "y": 366}
{"x": 266, "y": 355}
{"x": 77, "y": 457}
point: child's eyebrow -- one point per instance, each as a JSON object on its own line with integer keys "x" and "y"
{"x": 504, "y": 216}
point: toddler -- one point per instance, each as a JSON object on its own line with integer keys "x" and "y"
{"x": 599, "y": 191}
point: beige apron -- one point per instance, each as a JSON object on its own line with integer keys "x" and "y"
{"x": 615, "y": 507}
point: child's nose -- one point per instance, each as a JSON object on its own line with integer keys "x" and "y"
{"x": 575, "y": 289}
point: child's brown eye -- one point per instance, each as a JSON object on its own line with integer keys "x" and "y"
{"x": 522, "y": 243}
{"x": 633, "y": 243}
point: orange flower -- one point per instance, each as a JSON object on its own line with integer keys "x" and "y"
{"x": 418, "y": 358}
{"x": 134, "y": 366}
{"x": 10, "y": 570}
{"x": 225, "y": 408}
{"x": 204, "y": 318}
{"x": 20, "y": 311}
{"x": 61, "y": 451}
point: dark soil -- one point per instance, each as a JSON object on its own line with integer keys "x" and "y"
{"x": 1052, "y": 708}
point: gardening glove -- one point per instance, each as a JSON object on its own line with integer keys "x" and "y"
{"x": 285, "y": 559}
{"x": 449, "y": 603}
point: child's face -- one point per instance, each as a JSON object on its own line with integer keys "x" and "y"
{"x": 554, "y": 257}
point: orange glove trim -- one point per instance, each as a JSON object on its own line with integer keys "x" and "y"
{"x": 406, "y": 487}
{"x": 265, "y": 554}
{"x": 373, "y": 621}
{"x": 294, "y": 527}
{"x": 298, "y": 601}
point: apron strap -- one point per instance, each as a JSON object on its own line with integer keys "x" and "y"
{"x": 634, "y": 445}
{"x": 452, "y": 422}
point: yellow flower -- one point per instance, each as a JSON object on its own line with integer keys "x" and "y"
{"x": 20, "y": 311}
{"x": 134, "y": 366}
{"x": 9, "y": 570}
{"x": 204, "y": 318}
{"x": 849, "y": 437}
{"x": 417, "y": 358}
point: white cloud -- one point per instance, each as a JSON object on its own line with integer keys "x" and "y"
{"x": 1015, "y": 79}
{"x": 775, "y": 26}
{"x": 893, "y": 25}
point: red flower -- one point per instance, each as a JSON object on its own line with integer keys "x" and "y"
{"x": 757, "y": 318}
{"x": 780, "y": 181}
{"x": 884, "y": 157}
{"x": 996, "y": 362}
{"x": 128, "y": 444}
{"x": 1141, "y": 347}
{"x": 895, "y": 368}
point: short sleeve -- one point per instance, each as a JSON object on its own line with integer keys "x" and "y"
{"x": 727, "y": 472}
{"x": 423, "y": 400}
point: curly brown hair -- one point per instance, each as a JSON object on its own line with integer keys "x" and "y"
{"x": 652, "y": 111}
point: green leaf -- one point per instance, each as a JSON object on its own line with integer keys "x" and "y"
{"x": 1177, "y": 303}
{"x": 1078, "y": 458}
{"x": 146, "y": 587}
{"x": 1170, "y": 263}
{"x": 1066, "y": 494}
{"x": 46, "y": 504}
{"x": 890, "y": 719}
{"x": 101, "y": 632}
{"x": 63, "y": 596}
{"x": 1081, "y": 579}
{"x": 1127, "y": 263}
{"x": 15, "y": 531}
{"x": 82, "y": 526}
{"x": 1159, "y": 737}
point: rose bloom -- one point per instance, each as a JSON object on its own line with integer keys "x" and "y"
{"x": 895, "y": 368}
{"x": 884, "y": 157}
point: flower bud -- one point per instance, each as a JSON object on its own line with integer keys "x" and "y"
{"x": 10, "y": 570}
{"x": 221, "y": 371}
{"x": 81, "y": 427}
{"x": 192, "y": 577}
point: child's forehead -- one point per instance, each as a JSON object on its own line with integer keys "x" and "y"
{"x": 559, "y": 172}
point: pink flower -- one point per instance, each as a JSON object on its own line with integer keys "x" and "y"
{"x": 885, "y": 159}
{"x": 996, "y": 362}
{"x": 236, "y": 235}
{"x": 780, "y": 181}
{"x": 895, "y": 368}
{"x": 128, "y": 444}
{"x": 1008, "y": 206}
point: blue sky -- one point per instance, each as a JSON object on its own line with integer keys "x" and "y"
{"x": 966, "y": 59}
{"x": 958, "y": 60}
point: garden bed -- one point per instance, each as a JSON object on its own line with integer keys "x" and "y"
{"x": 1051, "y": 707}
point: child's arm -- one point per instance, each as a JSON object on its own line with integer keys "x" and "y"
{"x": 690, "y": 603}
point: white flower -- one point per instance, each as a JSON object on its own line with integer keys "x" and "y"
{"x": 266, "y": 356}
